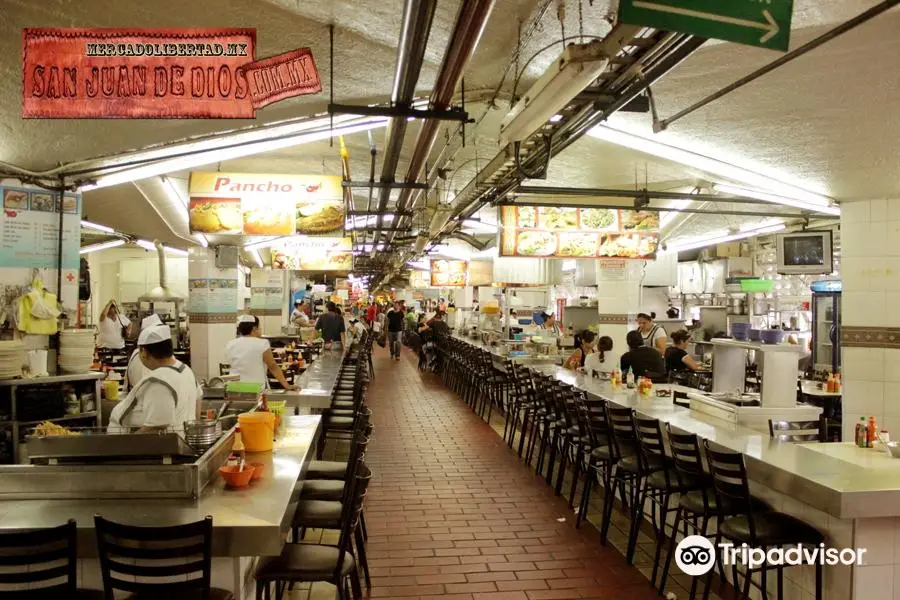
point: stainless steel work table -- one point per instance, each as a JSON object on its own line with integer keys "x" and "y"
{"x": 317, "y": 382}
{"x": 247, "y": 522}
{"x": 841, "y": 484}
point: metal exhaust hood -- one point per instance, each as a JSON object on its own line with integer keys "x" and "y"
{"x": 162, "y": 293}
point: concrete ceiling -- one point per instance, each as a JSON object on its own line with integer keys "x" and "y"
{"x": 827, "y": 120}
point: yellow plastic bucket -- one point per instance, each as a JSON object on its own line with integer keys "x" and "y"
{"x": 111, "y": 389}
{"x": 257, "y": 431}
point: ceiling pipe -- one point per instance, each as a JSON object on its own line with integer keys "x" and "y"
{"x": 417, "y": 18}
{"x": 471, "y": 20}
{"x": 469, "y": 239}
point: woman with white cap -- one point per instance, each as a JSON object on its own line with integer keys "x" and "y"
{"x": 251, "y": 357}
{"x": 166, "y": 397}
{"x": 136, "y": 369}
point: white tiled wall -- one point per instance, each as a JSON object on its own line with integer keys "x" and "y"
{"x": 870, "y": 271}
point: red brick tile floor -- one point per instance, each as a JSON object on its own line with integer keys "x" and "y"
{"x": 453, "y": 513}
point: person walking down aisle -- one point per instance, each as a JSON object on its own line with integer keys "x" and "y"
{"x": 394, "y": 329}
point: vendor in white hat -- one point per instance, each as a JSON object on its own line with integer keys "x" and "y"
{"x": 251, "y": 357}
{"x": 166, "y": 397}
{"x": 298, "y": 315}
{"x": 136, "y": 369}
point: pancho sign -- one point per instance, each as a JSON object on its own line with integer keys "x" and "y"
{"x": 258, "y": 204}
{"x": 156, "y": 73}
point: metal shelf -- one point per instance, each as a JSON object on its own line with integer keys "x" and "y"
{"x": 24, "y": 381}
{"x": 85, "y": 415}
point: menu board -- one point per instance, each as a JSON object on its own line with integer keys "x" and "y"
{"x": 578, "y": 232}
{"x": 309, "y": 253}
{"x": 265, "y": 205}
{"x": 449, "y": 273}
{"x": 30, "y": 228}
{"x": 212, "y": 295}
{"x": 419, "y": 279}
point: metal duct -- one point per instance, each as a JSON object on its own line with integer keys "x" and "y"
{"x": 470, "y": 23}
{"x": 161, "y": 293}
{"x": 417, "y": 18}
{"x": 469, "y": 239}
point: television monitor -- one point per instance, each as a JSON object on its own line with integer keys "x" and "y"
{"x": 806, "y": 253}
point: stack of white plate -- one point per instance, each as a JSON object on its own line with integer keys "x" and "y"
{"x": 76, "y": 350}
{"x": 12, "y": 357}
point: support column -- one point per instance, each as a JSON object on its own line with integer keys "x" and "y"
{"x": 618, "y": 298}
{"x": 212, "y": 310}
{"x": 870, "y": 319}
{"x": 269, "y": 297}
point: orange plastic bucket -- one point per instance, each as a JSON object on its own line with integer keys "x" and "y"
{"x": 257, "y": 431}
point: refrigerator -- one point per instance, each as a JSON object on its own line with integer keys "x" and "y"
{"x": 826, "y": 331}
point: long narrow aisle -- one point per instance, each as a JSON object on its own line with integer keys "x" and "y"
{"x": 452, "y": 513}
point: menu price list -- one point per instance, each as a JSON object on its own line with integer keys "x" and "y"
{"x": 30, "y": 228}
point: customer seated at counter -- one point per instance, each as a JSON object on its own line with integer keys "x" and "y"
{"x": 652, "y": 334}
{"x": 584, "y": 345}
{"x": 166, "y": 397}
{"x": 332, "y": 325}
{"x": 136, "y": 369}
{"x": 641, "y": 360}
{"x": 677, "y": 357}
{"x": 251, "y": 357}
{"x": 604, "y": 360}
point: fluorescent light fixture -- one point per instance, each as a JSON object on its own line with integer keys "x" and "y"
{"x": 724, "y": 188}
{"x": 706, "y": 164}
{"x": 266, "y": 243}
{"x": 368, "y": 221}
{"x": 175, "y": 195}
{"x": 97, "y": 226}
{"x": 419, "y": 265}
{"x": 565, "y": 78}
{"x": 722, "y": 237}
{"x": 201, "y": 239}
{"x": 237, "y": 147}
{"x": 103, "y": 246}
{"x": 667, "y": 217}
{"x": 556, "y": 118}
{"x": 479, "y": 225}
{"x": 147, "y": 245}
{"x": 258, "y": 258}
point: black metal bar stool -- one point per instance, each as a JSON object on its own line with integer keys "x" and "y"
{"x": 143, "y": 561}
{"x": 757, "y": 529}
{"x": 41, "y": 564}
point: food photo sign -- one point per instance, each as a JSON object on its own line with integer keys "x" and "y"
{"x": 265, "y": 205}
{"x": 577, "y": 232}
{"x": 449, "y": 273}
{"x": 313, "y": 253}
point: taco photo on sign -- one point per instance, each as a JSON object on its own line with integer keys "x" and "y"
{"x": 319, "y": 216}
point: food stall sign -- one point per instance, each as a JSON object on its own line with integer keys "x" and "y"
{"x": 449, "y": 273}
{"x": 611, "y": 270}
{"x": 767, "y": 25}
{"x": 313, "y": 253}
{"x": 569, "y": 232}
{"x": 270, "y": 205}
{"x": 419, "y": 279}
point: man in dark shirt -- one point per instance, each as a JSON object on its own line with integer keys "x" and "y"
{"x": 395, "y": 318}
{"x": 642, "y": 360}
{"x": 437, "y": 326}
{"x": 332, "y": 325}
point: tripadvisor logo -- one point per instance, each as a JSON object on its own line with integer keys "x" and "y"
{"x": 696, "y": 555}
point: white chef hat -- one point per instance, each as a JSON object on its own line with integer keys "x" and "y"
{"x": 246, "y": 319}
{"x": 154, "y": 334}
{"x": 150, "y": 321}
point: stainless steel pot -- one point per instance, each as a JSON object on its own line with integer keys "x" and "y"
{"x": 201, "y": 435}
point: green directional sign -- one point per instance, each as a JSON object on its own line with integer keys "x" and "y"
{"x": 764, "y": 23}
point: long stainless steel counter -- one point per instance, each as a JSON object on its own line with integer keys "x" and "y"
{"x": 247, "y": 522}
{"x": 499, "y": 357}
{"x": 843, "y": 485}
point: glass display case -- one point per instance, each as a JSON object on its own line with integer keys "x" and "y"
{"x": 826, "y": 330}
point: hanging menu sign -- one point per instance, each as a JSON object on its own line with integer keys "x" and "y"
{"x": 265, "y": 205}
{"x": 310, "y": 253}
{"x": 30, "y": 228}
{"x": 578, "y": 232}
{"x": 449, "y": 273}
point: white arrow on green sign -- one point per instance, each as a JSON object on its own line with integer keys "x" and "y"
{"x": 763, "y": 23}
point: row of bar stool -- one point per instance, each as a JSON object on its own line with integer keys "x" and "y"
{"x": 651, "y": 468}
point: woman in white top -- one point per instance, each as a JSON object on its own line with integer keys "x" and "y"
{"x": 251, "y": 357}
{"x": 164, "y": 399}
{"x": 136, "y": 369}
{"x": 653, "y": 334}
{"x": 112, "y": 324}
{"x": 604, "y": 360}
